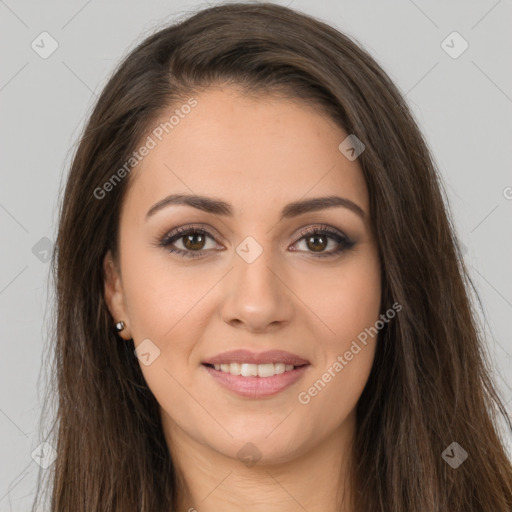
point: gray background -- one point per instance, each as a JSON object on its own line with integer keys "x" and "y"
{"x": 463, "y": 105}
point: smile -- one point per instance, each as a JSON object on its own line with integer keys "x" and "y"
{"x": 256, "y": 380}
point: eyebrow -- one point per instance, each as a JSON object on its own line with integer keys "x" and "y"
{"x": 219, "y": 207}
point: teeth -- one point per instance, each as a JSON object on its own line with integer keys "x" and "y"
{"x": 254, "y": 370}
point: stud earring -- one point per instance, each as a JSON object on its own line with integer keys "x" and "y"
{"x": 120, "y": 326}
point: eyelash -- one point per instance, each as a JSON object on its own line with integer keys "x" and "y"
{"x": 170, "y": 238}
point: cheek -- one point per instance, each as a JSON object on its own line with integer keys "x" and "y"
{"x": 343, "y": 300}
{"x": 168, "y": 306}
{"x": 347, "y": 302}
{"x": 160, "y": 294}
{"x": 165, "y": 307}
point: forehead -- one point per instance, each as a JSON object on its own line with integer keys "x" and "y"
{"x": 255, "y": 152}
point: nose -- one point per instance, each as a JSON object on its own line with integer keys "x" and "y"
{"x": 256, "y": 294}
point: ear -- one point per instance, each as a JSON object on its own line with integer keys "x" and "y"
{"x": 114, "y": 295}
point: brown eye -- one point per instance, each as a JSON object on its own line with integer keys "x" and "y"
{"x": 193, "y": 241}
{"x": 317, "y": 243}
{"x": 318, "y": 238}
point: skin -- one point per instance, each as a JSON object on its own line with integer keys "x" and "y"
{"x": 259, "y": 154}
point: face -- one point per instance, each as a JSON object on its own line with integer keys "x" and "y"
{"x": 253, "y": 274}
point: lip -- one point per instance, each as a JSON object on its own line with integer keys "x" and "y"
{"x": 246, "y": 356}
{"x": 257, "y": 387}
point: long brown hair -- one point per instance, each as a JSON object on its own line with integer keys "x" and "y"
{"x": 430, "y": 384}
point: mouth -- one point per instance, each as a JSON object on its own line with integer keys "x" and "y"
{"x": 256, "y": 381}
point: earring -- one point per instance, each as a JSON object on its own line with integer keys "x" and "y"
{"x": 120, "y": 326}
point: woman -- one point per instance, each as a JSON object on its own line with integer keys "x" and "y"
{"x": 261, "y": 301}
